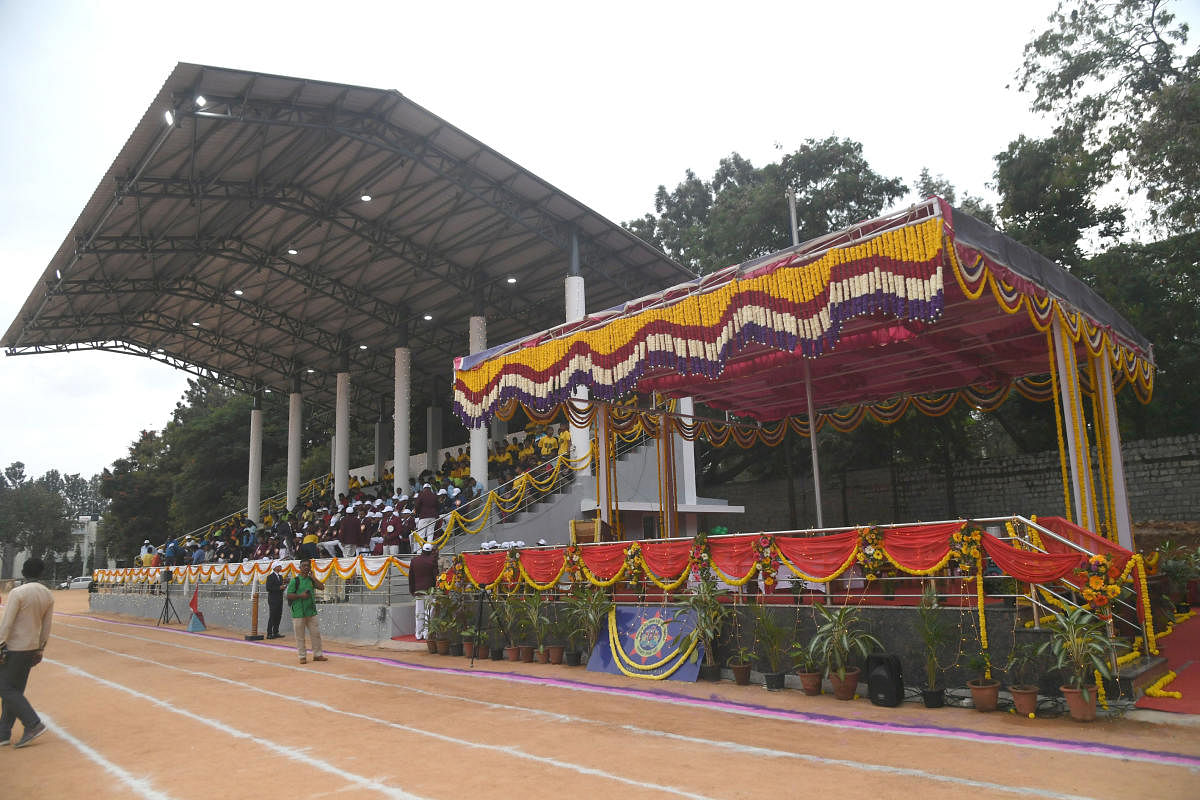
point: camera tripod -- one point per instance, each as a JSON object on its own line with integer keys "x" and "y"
{"x": 168, "y": 609}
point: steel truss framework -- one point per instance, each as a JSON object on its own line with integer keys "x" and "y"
{"x": 235, "y": 242}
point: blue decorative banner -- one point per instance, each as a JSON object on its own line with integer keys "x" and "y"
{"x": 650, "y": 643}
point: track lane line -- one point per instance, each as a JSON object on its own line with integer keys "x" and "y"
{"x": 142, "y": 787}
{"x": 291, "y": 753}
{"x": 511, "y": 750}
{"x": 1037, "y": 743}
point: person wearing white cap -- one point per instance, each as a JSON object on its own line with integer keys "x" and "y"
{"x": 422, "y": 576}
{"x": 147, "y": 548}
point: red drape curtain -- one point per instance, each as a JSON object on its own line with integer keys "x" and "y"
{"x": 734, "y": 556}
{"x": 603, "y": 560}
{"x": 667, "y": 559}
{"x": 818, "y": 556}
{"x": 543, "y": 564}
{"x": 919, "y": 547}
{"x": 1082, "y": 537}
{"x": 484, "y": 567}
{"x": 1030, "y": 567}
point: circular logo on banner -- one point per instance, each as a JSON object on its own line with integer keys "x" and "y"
{"x": 650, "y": 638}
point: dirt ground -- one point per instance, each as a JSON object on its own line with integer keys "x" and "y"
{"x": 140, "y": 711}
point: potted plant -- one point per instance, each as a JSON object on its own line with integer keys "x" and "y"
{"x": 807, "y": 668}
{"x": 711, "y": 613}
{"x": 470, "y": 640}
{"x": 740, "y": 662}
{"x": 556, "y": 635}
{"x": 985, "y": 691}
{"x": 510, "y": 611}
{"x": 1021, "y": 663}
{"x": 587, "y": 613}
{"x": 772, "y": 639}
{"x": 837, "y": 639}
{"x": 538, "y": 624}
{"x": 456, "y": 621}
{"x": 1080, "y": 646}
{"x": 935, "y": 633}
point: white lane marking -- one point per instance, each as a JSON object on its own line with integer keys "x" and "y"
{"x": 491, "y": 704}
{"x": 291, "y": 753}
{"x": 754, "y": 750}
{"x": 139, "y": 786}
{"x": 698, "y": 704}
{"x": 504, "y": 749}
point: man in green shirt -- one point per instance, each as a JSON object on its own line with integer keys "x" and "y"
{"x": 304, "y": 611}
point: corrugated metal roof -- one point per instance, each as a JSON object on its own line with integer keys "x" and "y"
{"x": 234, "y": 242}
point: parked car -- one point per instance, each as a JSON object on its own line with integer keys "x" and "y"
{"x": 82, "y": 582}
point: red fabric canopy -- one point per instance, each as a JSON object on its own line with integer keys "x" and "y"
{"x": 919, "y": 547}
{"x": 667, "y": 558}
{"x": 734, "y": 556}
{"x": 1027, "y": 566}
{"x": 543, "y": 564}
{"x": 818, "y": 556}
{"x": 484, "y": 567}
{"x": 603, "y": 560}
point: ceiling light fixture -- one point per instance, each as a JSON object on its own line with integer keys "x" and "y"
{"x": 293, "y": 251}
{"x": 362, "y": 347}
{"x": 200, "y": 101}
{"x": 428, "y": 317}
{"x": 311, "y": 371}
{"x": 238, "y": 292}
{"x": 195, "y": 324}
{"x": 512, "y": 279}
{"x": 58, "y": 274}
{"x": 169, "y": 117}
{"x": 366, "y": 198}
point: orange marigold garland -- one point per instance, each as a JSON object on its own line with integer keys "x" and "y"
{"x": 1101, "y": 584}
{"x": 767, "y": 560}
{"x": 966, "y": 549}
{"x": 870, "y": 555}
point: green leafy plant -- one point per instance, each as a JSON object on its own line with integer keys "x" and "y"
{"x": 935, "y": 634}
{"x": 740, "y": 657}
{"x": 1022, "y": 662}
{"x": 537, "y": 621}
{"x": 838, "y": 638}
{"x": 587, "y": 612}
{"x": 1079, "y": 645}
{"x": 772, "y": 638}
{"x": 710, "y": 613}
{"x": 802, "y": 658}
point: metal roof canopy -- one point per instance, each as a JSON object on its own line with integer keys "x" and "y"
{"x": 230, "y": 238}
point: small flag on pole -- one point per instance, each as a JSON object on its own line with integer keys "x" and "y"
{"x": 196, "y": 623}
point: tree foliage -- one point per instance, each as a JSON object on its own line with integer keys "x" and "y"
{"x": 33, "y": 516}
{"x": 742, "y": 212}
{"x": 1118, "y": 76}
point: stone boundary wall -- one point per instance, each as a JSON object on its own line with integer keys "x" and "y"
{"x": 1162, "y": 479}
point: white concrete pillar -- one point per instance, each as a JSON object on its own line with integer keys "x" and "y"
{"x": 1068, "y": 385}
{"x": 401, "y": 419}
{"x": 254, "y": 477}
{"x": 685, "y": 455}
{"x": 294, "y": 454}
{"x": 477, "y": 343}
{"x": 341, "y": 436}
{"x": 576, "y": 305}
{"x": 1117, "y": 473}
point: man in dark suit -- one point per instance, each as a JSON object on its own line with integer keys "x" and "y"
{"x": 274, "y": 601}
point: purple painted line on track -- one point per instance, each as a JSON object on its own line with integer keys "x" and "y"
{"x": 715, "y": 703}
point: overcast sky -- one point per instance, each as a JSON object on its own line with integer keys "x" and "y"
{"x": 605, "y": 101}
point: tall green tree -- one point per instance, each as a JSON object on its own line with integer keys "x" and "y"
{"x": 138, "y": 491}
{"x": 1119, "y": 75}
{"x": 742, "y": 213}
{"x": 33, "y": 517}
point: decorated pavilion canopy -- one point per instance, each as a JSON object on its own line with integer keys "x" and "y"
{"x": 923, "y": 306}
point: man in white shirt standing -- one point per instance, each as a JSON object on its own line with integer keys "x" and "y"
{"x": 24, "y": 631}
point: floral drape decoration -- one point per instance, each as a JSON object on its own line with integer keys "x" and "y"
{"x": 371, "y": 569}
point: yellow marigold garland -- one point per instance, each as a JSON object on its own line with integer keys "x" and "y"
{"x": 1157, "y": 689}
{"x": 619, "y": 655}
{"x": 833, "y": 576}
{"x": 1101, "y": 697}
{"x": 541, "y": 587}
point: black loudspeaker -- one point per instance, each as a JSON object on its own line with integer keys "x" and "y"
{"x": 885, "y": 680}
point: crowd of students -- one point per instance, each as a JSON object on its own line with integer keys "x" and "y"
{"x": 370, "y": 520}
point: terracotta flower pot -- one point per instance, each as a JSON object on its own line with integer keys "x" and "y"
{"x": 843, "y": 688}
{"x": 1080, "y": 710}
{"x": 527, "y": 653}
{"x": 741, "y": 674}
{"x": 468, "y": 649}
{"x": 984, "y": 693}
{"x": 541, "y": 656}
{"x": 512, "y": 653}
{"x": 810, "y": 682}
{"x": 443, "y": 647}
{"x": 432, "y": 645}
{"x": 556, "y": 653}
{"x": 1025, "y": 699}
